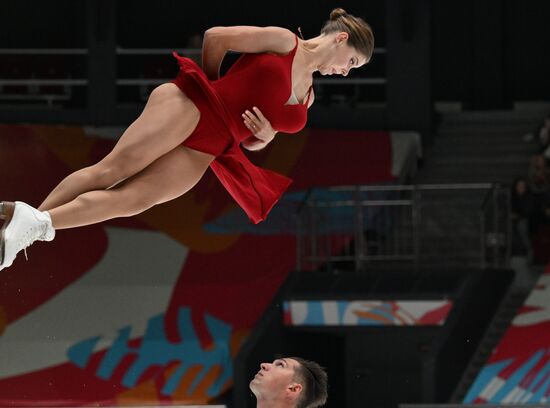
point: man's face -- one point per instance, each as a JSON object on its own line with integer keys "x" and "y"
{"x": 276, "y": 380}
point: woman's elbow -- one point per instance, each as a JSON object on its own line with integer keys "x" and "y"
{"x": 214, "y": 37}
{"x": 207, "y": 34}
{"x": 212, "y": 31}
{"x": 253, "y": 145}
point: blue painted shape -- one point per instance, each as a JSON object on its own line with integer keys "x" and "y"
{"x": 222, "y": 335}
{"x": 115, "y": 354}
{"x": 342, "y": 307}
{"x": 485, "y": 376}
{"x": 539, "y": 377}
{"x": 282, "y": 219}
{"x": 193, "y": 354}
{"x": 156, "y": 350}
{"x": 80, "y": 353}
{"x": 516, "y": 378}
{"x": 286, "y": 306}
{"x": 314, "y": 314}
{"x": 539, "y": 395}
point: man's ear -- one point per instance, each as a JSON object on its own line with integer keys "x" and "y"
{"x": 295, "y": 388}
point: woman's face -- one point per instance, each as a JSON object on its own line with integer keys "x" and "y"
{"x": 343, "y": 58}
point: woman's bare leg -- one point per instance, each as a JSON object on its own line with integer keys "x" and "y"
{"x": 165, "y": 179}
{"x": 168, "y": 118}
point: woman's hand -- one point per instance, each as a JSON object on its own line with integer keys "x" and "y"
{"x": 260, "y": 127}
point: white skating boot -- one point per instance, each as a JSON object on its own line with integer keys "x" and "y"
{"x": 23, "y": 225}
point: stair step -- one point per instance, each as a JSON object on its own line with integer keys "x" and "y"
{"x": 465, "y": 253}
{"x": 472, "y": 165}
{"x": 464, "y": 176}
{"x": 449, "y": 152}
{"x": 475, "y": 164}
{"x": 517, "y": 131}
{"x": 485, "y": 118}
{"x": 484, "y": 145}
{"x": 528, "y": 117}
{"x": 480, "y": 147}
{"x": 459, "y": 262}
{"x": 448, "y": 255}
{"x": 437, "y": 242}
{"x": 458, "y": 179}
{"x": 452, "y": 199}
{"x": 448, "y": 259}
{"x": 516, "y": 160}
{"x": 467, "y": 147}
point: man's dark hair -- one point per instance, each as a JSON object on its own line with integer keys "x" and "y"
{"x": 314, "y": 381}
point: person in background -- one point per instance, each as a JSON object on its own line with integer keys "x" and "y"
{"x": 523, "y": 214}
{"x": 543, "y": 137}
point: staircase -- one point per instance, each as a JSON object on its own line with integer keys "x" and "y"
{"x": 470, "y": 148}
{"x": 480, "y": 147}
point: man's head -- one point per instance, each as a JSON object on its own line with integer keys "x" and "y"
{"x": 294, "y": 381}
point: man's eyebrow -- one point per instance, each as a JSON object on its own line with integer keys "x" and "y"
{"x": 283, "y": 360}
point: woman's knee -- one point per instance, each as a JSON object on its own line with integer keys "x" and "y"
{"x": 95, "y": 177}
{"x": 116, "y": 202}
{"x": 110, "y": 172}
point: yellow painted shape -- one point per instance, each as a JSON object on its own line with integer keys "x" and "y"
{"x": 199, "y": 395}
{"x": 289, "y": 147}
{"x": 144, "y": 393}
{"x": 182, "y": 219}
{"x": 373, "y": 316}
{"x": 237, "y": 339}
{"x": 69, "y": 143}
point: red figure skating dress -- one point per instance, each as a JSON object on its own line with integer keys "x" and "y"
{"x": 261, "y": 80}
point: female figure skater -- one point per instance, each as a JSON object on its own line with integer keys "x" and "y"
{"x": 200, "y": 120}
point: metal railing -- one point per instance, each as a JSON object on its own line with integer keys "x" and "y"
{"x": 197, "y": 52}
{"x": 349, "y": 227}
{"x": 67, "y": 82}
{"x": 350, "y": 224}
{"x": 40, "y": 86}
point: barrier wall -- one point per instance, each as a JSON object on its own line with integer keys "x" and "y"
{"x": 518, "y": 371}
{"x": 153, "y": 308}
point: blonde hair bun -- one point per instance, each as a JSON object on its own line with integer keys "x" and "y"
{"x": 337, "y": 13}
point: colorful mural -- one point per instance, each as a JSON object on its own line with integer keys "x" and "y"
{"x": 151, "y": 309}
{"x": 366, "y": 313}
{"x": 518, "y": 370}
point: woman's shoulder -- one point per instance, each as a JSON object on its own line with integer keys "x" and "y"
{"x": 286, "y": 40}
{"x": 252, "y": 39}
